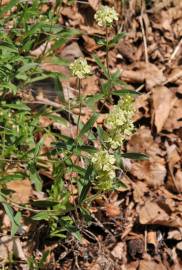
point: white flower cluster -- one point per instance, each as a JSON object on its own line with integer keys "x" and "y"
{"x": 80, "y": 68}
{"x": 104, "y": 166}
{"x": 119, "y": 122}
{"x": 105, "y": 16}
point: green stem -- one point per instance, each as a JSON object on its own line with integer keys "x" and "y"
{"x": 80, "y": 103}
{"x": 107, "y": 51}
{"x": 107, "y": 59}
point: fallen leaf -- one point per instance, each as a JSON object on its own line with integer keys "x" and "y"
{"x": 163, "y": 101}
{"x": 94, "y": 4}
{"x": 127, "y": 51}
{"x": 112, "y": 209}
{"x": 139, "y": 189}
{"x": 119, "y": 250}
{"x": 90, "y": 85}
{"x": 22, "y": 190}
{"x": 152, "y": 213}
{"x": 151, "y": 265}
{"x": 175, "y": 234}
{"x": 90, "y": 44}
{"x": 141, "y": 72}
{"x": 71, "y": 51}
{"x": 174, "y": 120}
{"x": 11, "y": 246}
{"x": 41, "y": 49}
{"x": 132, "y": 265}
{"x": 135, "y": 248}
{"x": 178, "y": 180}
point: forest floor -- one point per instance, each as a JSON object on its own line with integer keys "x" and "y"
{"x": 137, "y": 227}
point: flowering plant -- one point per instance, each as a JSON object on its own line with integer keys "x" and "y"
{"x": 104, "y": 166}
{"x": 80, "y": 68}
{"x": 105, "y": 16}
{"x": 119, "y": 122}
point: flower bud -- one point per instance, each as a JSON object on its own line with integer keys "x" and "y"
{"x": 119, "y": 122}
{"x": 105, "y": 16}
{"x": 80, "y": 68}
{"x": 104, "y": 166}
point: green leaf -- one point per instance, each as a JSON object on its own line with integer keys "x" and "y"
{"x": 43, "y": 203}
{"x": 42, "y": 261}
{"x": 12, "y": 177}
{"x": 8, "y": 6}
{"x": 19, "y": 106}
{"x": 58, "y": 119}
{"x": 125, "y": 92}
{"x": 116, "y": 39}
{"x": 91, "y": 100}
{"x": 43, "y": 215}
{"x": 87, "y": 184}
{"x": 38, "y": 147}
{"x": 16, "y": 224}
{"x": 89, "y": 124}
{"x": 137, "y": 156}
{"x": 59, "y": 89}
{"x": 34, "y": 176}
{"x": 87, "y": 148}
{"x": 15, "y": 220}
{"x": 99, "y": 63}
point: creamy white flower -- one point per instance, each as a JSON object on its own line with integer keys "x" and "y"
{"x": 119, "y": 122}
{"x": 80, "y": 68}
{"x": 105, "y": 16}
{"x": 104, "y": 166}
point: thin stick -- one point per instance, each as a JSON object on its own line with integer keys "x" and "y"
{"x": 175, "y": 51}
{"x": 144, "y": 38}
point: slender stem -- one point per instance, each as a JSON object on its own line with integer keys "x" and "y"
{"x": 107, "y": 50}
{"x": 80, "y": 103}
{"x": 107, "y": 59}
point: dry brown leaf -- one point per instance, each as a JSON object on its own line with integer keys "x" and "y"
{"x": 71, "y": 51}
{"x": 136, "y": 247}
{"x": 9, "y": 246}
{"x": 175, "y": 74}
{"x": 141, "y": 72}
{"x": 127, "y": 51}
{"x": 94, "y": 4}
{"x": 132, "y": 265}
{"x": 55, "y": 68}
{"x": 90, "y": 86}
{"x": 139, "y": 189}
{"x": 41, "y": 49}
{"x": 90, "y": 44}
{"x": 4, "y": 2}
{"x": 152, "y": 172}
{"x": 141, "y": 141}
{"x": 112, "y": 209}
{"x": 151, "y": 265}
{"x": 163, "y": 101}
{"x": 178, "y": 181}
{"x": 174, "y": 119}
{"x": 179, "y": 246}
{"x": 175, "y": 234}
{"x": 73, "y": 14}
{"x": 141, "y": 107}
{"x": 44, "y": 121}
{"x": 172, "y": 154}
{"x": 151, "y": 213}
{"x": 119, "y": 250}
{"x": 22, "y": 190}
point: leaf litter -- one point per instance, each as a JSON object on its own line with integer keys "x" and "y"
{"x": 138, "y": 227}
